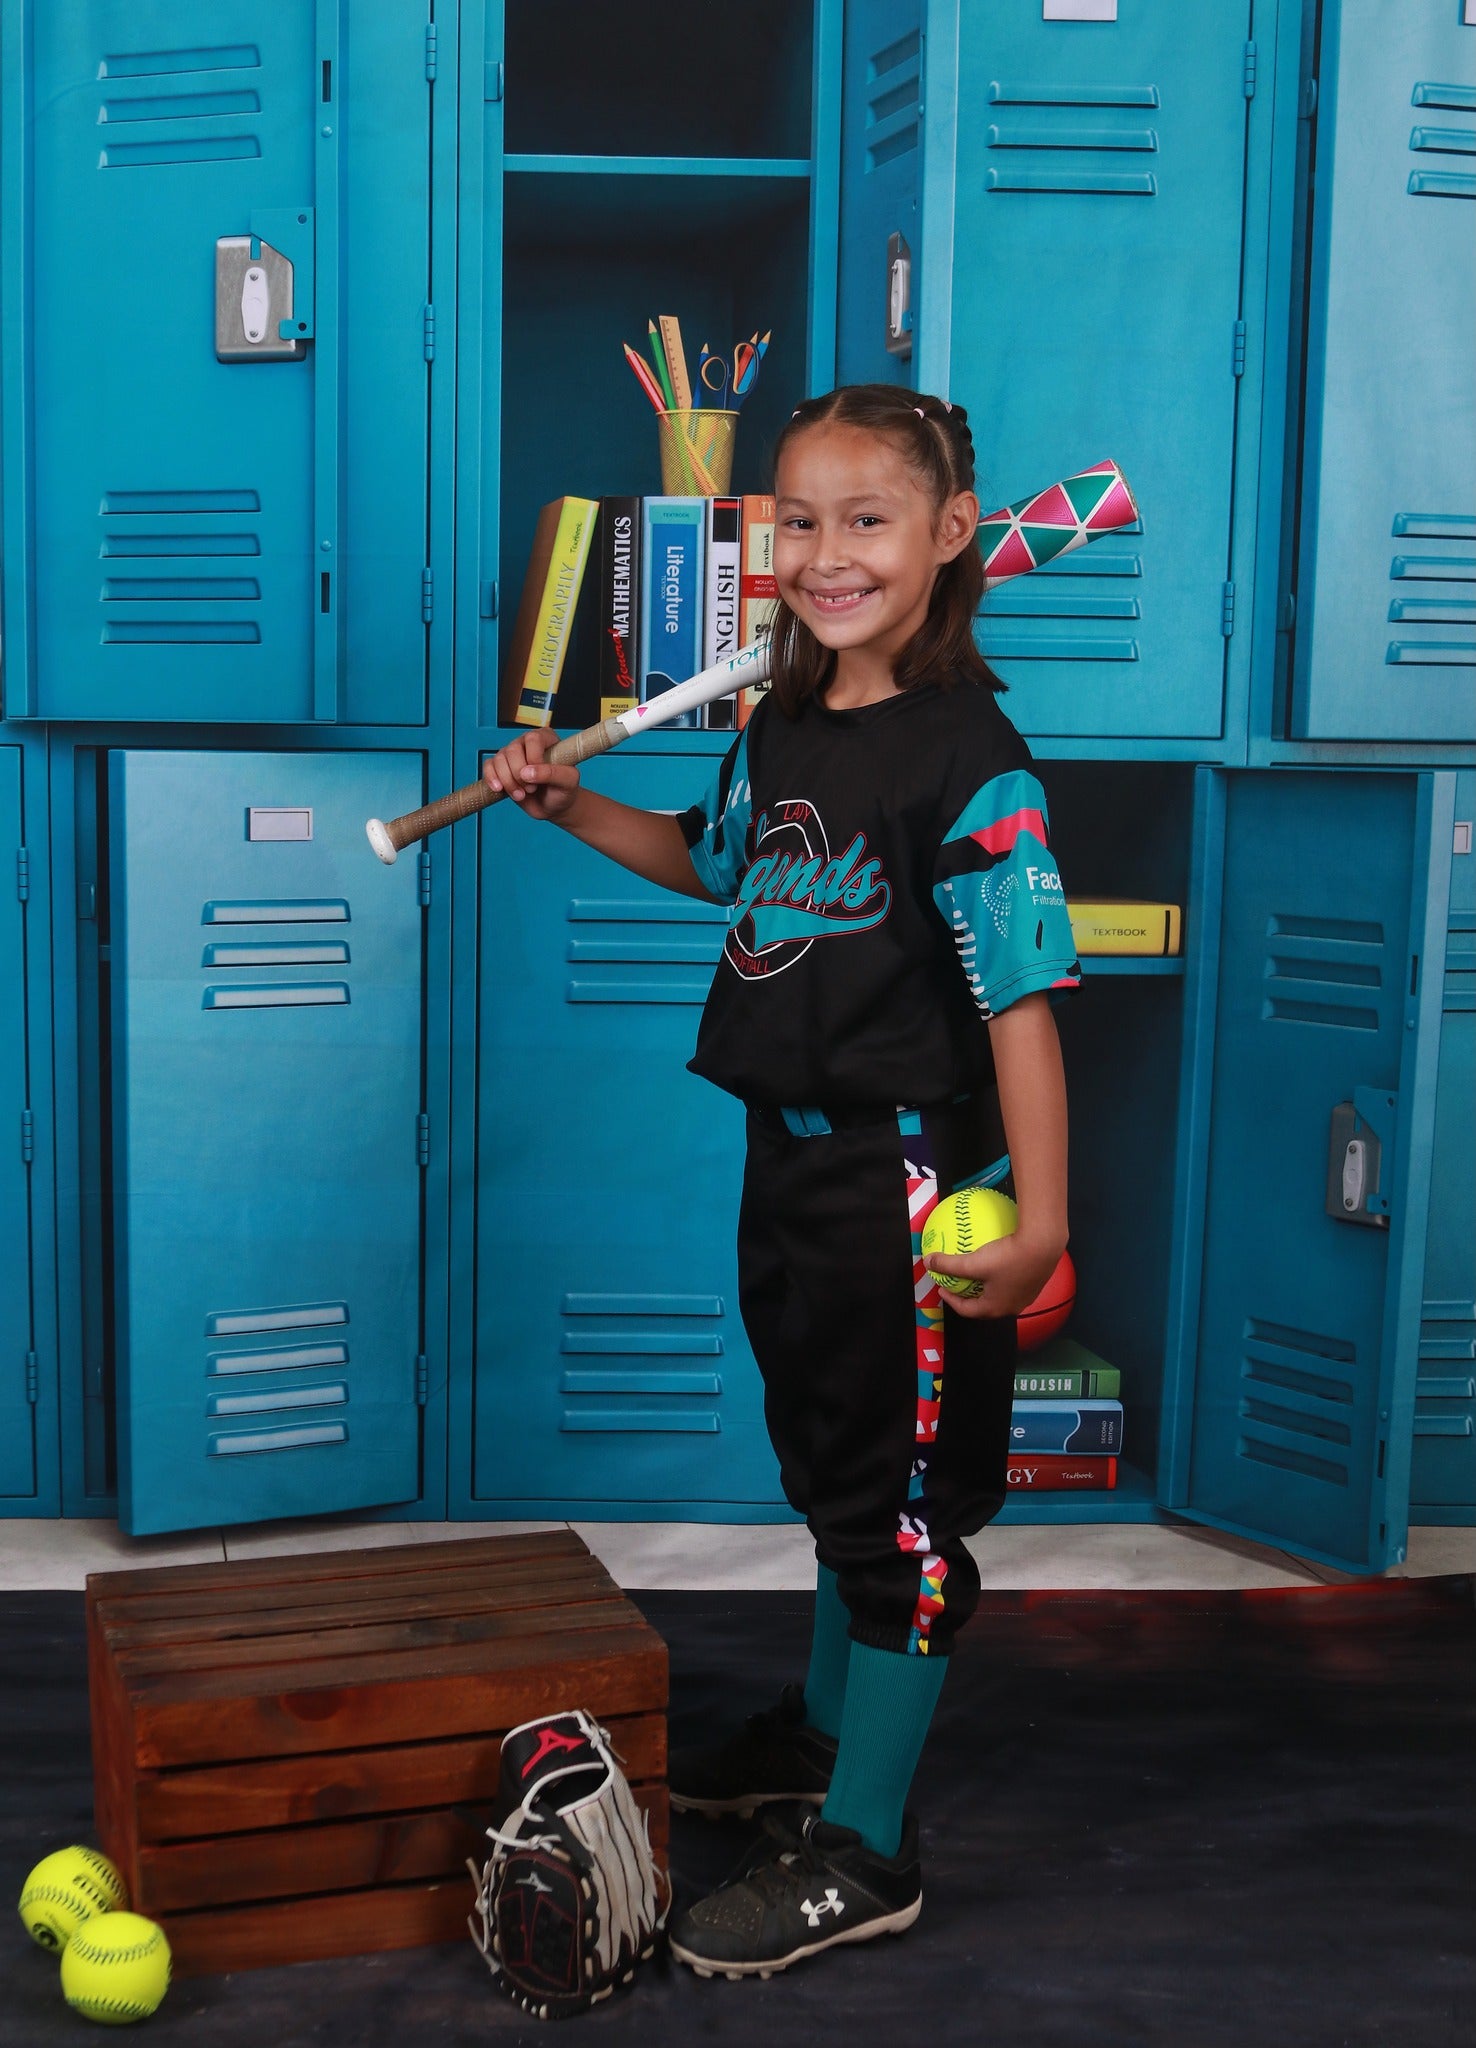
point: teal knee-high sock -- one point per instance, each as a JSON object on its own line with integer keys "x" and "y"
{"x": 890, "y": 1697}
{"x": 830, "y": 1654}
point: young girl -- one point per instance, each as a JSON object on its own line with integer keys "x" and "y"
{"x": 896, "y": 920}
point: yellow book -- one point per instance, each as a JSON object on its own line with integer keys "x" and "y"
{"x": 1111, "y": 924}
{"x": 535, "y": 654}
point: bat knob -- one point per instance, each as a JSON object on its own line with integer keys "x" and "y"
{"x": 380, "y": 840}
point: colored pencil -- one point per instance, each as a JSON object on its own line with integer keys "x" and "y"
{"x": 644, "y": 378}
{"x": 663, "y": 371}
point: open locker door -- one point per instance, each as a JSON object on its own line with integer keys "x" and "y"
{"x": 1292, "y": 1413}
{"x": 266, "y": 1047}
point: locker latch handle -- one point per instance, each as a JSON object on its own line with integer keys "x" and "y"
{"x": 1360, "y": 1154}
{"x": 264, "y": 288}
{"x": 899, "y": 296}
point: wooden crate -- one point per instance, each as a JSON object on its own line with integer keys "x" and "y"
{"x": 278, "y": 1745}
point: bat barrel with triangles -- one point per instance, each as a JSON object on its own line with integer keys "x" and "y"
{"x": 1067, "y": 515}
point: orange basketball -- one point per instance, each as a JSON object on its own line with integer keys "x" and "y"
{"x": 1050, "y": 1309}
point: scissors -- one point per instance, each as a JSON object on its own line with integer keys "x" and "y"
{"x": 714, "y": 377}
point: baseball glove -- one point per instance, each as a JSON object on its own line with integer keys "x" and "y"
{"x": 570, "y": 1899}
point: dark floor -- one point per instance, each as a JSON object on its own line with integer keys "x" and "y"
{"x": 1183, "y": 1819}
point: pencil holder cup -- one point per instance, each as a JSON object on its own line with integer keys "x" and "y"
{"x": 696, "y": 452}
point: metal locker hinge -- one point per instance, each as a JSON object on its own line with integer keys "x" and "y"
{"x": 23, "y": 874}
{"x": 423, "y": 877}
{"x": 422, "y": 1380}
{"x": 1238, "y": 356}
{"x": 428, "y": 333}
{"x": 427, "y": 595}
{"x": 28, "y": 1136}
{"x": 1248, "y": 71}
{"x": 430, "y": 51}
{"x": 33, "y": 1378}
{"x": 1227, "y": 610}
{"x": 422, "y": 1139}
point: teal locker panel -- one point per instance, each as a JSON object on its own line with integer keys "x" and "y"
{"x": 1443, "y": 1473}
{"x": 1097, "y": 194}
{"x": 224, "y": 540}
{"x": 881, "y": 154}
{"x": 611, "y": 1361}
{"x": 1304, "y": 1360}
{"x": 17, "y": 1396}
{"x": 1386, "y": 577}
{"x": 266, "y": 1099}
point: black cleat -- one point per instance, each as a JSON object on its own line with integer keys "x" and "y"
{"x": 813, "y": 1888}
{"x": 775, "y": 1755}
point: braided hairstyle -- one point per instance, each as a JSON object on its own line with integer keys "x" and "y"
{"x": 933, "y": 438}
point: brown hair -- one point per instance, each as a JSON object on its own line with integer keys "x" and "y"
{"x": 933, "y": 439}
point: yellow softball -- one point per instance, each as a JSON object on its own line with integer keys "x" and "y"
{"x": 64, "y": 1890}
{"x": 963, "y": 1223}
{"x": 116, "y": 1969}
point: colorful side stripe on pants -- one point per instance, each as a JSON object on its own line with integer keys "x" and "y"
{"x": 912, "y": 1532}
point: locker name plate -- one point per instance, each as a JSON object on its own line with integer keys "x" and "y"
{"x": 279, "y": 822}
{"x": 253, "y": 298}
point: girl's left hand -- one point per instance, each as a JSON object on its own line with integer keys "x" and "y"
{"x": 1013, "y": 1269}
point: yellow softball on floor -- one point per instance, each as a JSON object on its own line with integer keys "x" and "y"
{"x": 64, "y": 1890}
{"x": 116, "y": 1969}
{"x": 964, "y": 1223}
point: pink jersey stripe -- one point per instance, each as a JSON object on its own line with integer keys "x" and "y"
{"x": 1002, "y": 834}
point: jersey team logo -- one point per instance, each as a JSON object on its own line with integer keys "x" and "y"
{"x": 795, "y": 891}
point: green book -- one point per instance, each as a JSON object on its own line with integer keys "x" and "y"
{"x": 1066, "y": 1371}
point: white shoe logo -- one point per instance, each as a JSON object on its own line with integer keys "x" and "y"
{"x": 831, "y": 1903}
{"x": 536, "y": 1882}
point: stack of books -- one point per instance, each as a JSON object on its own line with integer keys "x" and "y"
{"x": 681, "y": 583}
{"x": 1066, "y": 1424}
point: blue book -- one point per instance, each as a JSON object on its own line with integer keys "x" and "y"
{"x": 674, "y": 532}
{"x": 1081, "y": 1427}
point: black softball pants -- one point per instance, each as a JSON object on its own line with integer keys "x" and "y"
{"x": 890, "y": 1415}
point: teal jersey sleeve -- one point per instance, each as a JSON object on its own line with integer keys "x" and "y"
{"x": 716, "y": 830}
{"x": 999, "y": 891}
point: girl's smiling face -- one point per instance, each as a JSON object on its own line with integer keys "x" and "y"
{"x": 858, "y": 543}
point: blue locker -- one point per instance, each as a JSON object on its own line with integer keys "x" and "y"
{"x": 215, "y": 539}
{"x": 1074, "y": 143}
{"x": 266, "y": 1045}
{"x": 1443, "y": 1474}
{"x": 881, "y": 158}
{"x": 1289, "y": 1413}
{"x": 1386, "y": 576}
{"x": 17, "y": 1357}
{"x": 611, "y": 1361}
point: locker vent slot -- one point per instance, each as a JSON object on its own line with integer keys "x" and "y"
{"x": 1442, "y": 184}
{"x": 181, "y": 633}
{"x": 158, "y": 502}
{"x": 1321, "y": 955}
{"x": 284, "y": 953}
{"x": 1014, "y": 94}
{"x": 1098, "y": 563}
{"x": 642, "y": 1305}
{"x": 173, "y": 63}
{"x": 180, "y": 106}
{"x": 333, "y": 1395}
{"x": 297, "y": 1315}
{"x": 239, "y": 1443}
{"x": 1457, "y": 141}
{"x": 1433, "y": 569}
{"x": 640, "y": 956}
{"x": 186, "y": 544}
{"x": 1313, "y": 1404}
{"x": 287, "y": 1358}
{"x": 1048, "y": 599}
{"x": 894, "y": 79}
{"x": 1460, "y": 99}
{"x": 1436, "y": 525}
{"x": 199, "y": 149}
{"x": 1045, "y": 136}
{"x": 662, "y": 1396}
{"x": 275, "y": 995}
{"x": 1058, "y": 647}
{"x": 278, "y": 910}
{"x": 177, "y": 589}
{"x": 1446, "y": 609}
